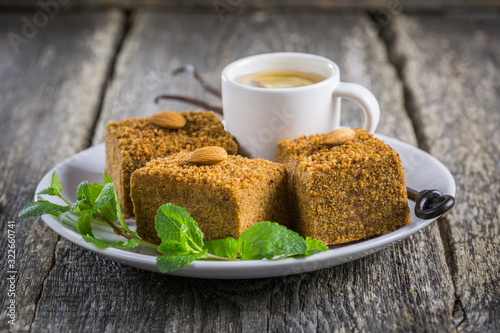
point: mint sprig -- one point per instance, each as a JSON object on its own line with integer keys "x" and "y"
{"x": 181, "y": 238}
{"x": 182, "y": 241}
{"x": 96, "y": 204}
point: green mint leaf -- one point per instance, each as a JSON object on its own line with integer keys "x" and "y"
{"x": 48, "y": 191}
{"x": 87, "y": 193}
{"x": 268, "y": 239}
{"x": 117, "y": 209}
{"x": 55, "y": 187}
{"x": 105, "y": 197}
{"x": 82, "y": 192}
{"x": 41, "y": 207}
{"x": 97, "y": 242}
{"x": 227, "y": 247}
{"x": 107, "y": 179}
{"x": 109, "y": 213}
{"x": 94, "y": 190}
{"x": 55, "y": 183}
{"x": 115, "y": 206}
{"x": 84, "y": 222}
{"x": 174, "y": 247}
{"x": 314, "y": 246}
{"x": 169, "y": 263}
{"x": 175, "y": 226}
{"x": 74, "y": 205}
{"x": 128, "y": 244}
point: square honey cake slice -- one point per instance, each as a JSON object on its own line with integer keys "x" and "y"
{"x": 131, "y": 143}
{"x": 344, "y": 190}
{"x": 225, "y": 197}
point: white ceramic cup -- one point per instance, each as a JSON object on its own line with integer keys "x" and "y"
{"x": 261, "y": 117}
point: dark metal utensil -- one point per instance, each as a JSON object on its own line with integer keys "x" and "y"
{"x": 430, "y": 203}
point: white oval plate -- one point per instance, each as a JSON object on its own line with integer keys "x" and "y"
{"x": 422, "y": 171}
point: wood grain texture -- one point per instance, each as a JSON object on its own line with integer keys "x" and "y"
{"x": 239, "y": 5}
{"x": 405, "y": 287}
{"x": 451, "y": 68}
{"x": 50, "y": 94}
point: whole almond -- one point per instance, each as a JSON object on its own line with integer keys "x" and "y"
{"x": 167, "y": 119}
{"x": 338, "y": 137}
{"x": 207, "y": 155}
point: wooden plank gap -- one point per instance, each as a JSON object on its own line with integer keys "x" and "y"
{"x": 459, "y": 315}
{"x": 458, "y": 312}
{"x": 125, "y": 29}
{"x": 387, "y": 35}
{"x": 38, "y": 296}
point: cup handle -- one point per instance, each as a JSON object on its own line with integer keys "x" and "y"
{"x": 365, "y": 99}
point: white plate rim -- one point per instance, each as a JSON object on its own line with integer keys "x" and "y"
{"x": 257, "y": 268}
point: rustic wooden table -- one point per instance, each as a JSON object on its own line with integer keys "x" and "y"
{"x": 437, "y": 78}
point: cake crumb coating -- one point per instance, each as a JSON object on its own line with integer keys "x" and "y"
{"x": 344, "y": 193}
{"x": 224, "y": 199}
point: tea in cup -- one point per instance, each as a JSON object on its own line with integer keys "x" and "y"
{"x": 279, "y": 79}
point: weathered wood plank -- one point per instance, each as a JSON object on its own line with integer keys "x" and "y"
{"x": 405, "y": 287}
{"x": 228, "y": 6}
{"x": 50, "y": 94}
{"x": 452, "y": 69}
